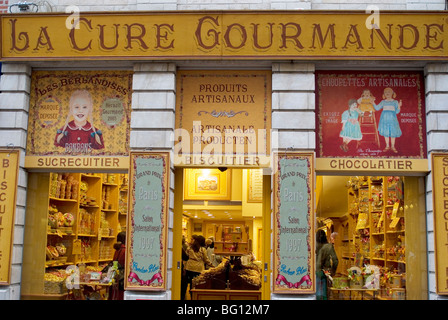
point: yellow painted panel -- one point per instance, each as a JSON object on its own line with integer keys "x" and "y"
{"x": 440, "y": 201}
{"x": 9, "y": 164}
{"x": 233, "y": 35}
{"x": 408, "y": 166}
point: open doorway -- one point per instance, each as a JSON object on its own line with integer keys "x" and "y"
{"x": 225, "y": 207}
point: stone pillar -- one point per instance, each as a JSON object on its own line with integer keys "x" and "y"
{"x": 14, "y": 105}
{"x": 293, "y": 118}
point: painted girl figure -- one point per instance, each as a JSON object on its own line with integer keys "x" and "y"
{"x": 365, "y": 102}
{"x": 79, "y": 135}
{"x": 389, "y": 127}
{"x": 351, "y": 130}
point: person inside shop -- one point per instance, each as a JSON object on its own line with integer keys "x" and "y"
{"x": 210, "y": 248}
{"x": 326, "y": 262}
{"x": 184, "y": 280}
{"x": 117, "y": 290}
{"x": 197, "y": 258}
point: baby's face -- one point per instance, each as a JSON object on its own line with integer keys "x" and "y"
{"x": 80, "y": 109}
{"x": 365, "y": 95}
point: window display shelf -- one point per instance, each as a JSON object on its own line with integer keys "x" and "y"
{"x": 79, "y": 225}
{"x": 373, "y": 231}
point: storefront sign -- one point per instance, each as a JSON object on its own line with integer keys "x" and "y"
{"x": 372, "y": 166}
{"x": 232, "y": 35}
{"x": 79, "y": 119}
{"x": 9, "y": 166}
{"x": 294, "y": 223}
{"x": 82, "y": 162}
{"x": 223, "y": 118}
{"x": 147, "y": 222}
{"x": 369, "y": 114}
{"x": 440, "y": 203}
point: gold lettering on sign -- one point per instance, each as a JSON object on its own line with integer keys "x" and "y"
{"x": 371, "y": 165}
{"x": 238, "y": 35}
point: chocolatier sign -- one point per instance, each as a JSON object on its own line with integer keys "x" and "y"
{"x": 370, "y": 120}
{"x": 229, "y": 35}
{"x": 147, "y": 222}
{"x": 294, "y": 223}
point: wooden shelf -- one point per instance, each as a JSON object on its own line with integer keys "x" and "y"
{"x": 232, "y": 239}
{"x": 383, "y": 230}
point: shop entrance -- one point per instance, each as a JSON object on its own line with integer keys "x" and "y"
{"x": 231, "y": 208}
{"x": 377, "y": 225}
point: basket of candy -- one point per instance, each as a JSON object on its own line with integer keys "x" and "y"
{"x": 54, "y": 282}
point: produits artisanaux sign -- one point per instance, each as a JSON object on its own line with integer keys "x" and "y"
{"x": 223, "y": 118}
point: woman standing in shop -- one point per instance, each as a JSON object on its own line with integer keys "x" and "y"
{"x": 117, "y": 292}
{"x": 197, "y": 258}
{"x": 326, "y": 261}
{"x": 210, "y": 248}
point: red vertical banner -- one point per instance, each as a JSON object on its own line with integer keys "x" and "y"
{"x": 370, "y": 114}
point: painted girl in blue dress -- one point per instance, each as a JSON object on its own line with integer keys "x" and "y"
{"x": 351, "y": 129}
{"x": 389, "y": 127}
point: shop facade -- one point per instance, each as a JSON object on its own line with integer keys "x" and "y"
{"x": 138, "y": 75}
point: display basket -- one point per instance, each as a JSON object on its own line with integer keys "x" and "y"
{"x": 55, "y": 287}
{"x": 217, "y": 282}
{"x": 340, "y": 282}
{"x": 398, "y": 293}
{"x": 238, "y": 281}
{"x": 395, "y": 281}
{"x": 357, "y": 282}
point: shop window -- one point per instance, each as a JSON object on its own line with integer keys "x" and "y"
{"x": 376, "y": 225}
{"x": 72, "y": 225}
